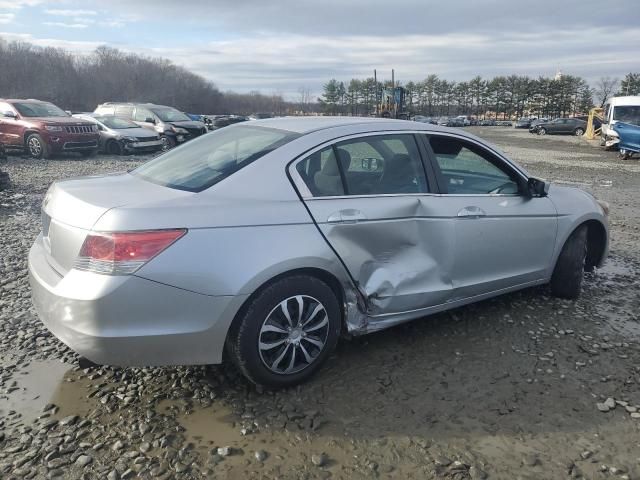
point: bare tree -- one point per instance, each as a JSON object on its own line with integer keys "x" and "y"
{"x": 605, "y": 88}
{"x": 304, "y": 99}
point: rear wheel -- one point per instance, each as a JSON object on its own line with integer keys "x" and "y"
{"x": 286, "y": 332}
{"x": 36, "y": 147}
{"x": 542, "y": 131}
{"x": 578, "y": 132}
{"x": 566, "y": 280}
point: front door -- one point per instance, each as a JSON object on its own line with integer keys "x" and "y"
{"x": 369, "y": 196}
{"x": 10, "y": 127}
{"x": 503, "y": 237}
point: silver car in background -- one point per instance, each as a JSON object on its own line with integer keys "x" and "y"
{"x": 271, "y": 238}
{"x": 119, "y": 136}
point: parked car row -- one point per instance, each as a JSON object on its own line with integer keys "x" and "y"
{"x": 41, "y": 128}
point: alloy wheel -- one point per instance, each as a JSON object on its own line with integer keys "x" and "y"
{"x": 35, "y": 148}
{"x": 293, "y": 335}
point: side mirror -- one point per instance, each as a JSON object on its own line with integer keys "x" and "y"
{"x": 9, "y": 114}
{"x": 537, "y": 187}
{"x": 149, "y": 120}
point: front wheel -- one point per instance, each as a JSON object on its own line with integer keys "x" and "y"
{"x": 578, "y": 132}
{"x": 114, "y": 147}
{"x": 542, "y": 131}
{"x": 286, "y": 332}
{"x": 168, "y": 142}
{"x": 624, "y": 154}
{"x": 566, "y": 280}
{"x": 36, "y": 147}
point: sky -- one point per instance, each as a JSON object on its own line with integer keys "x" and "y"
{"x": 282, "y": 46}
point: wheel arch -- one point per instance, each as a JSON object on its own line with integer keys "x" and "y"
{"x": 324, "y": 275}
{"x": 596, "y": 243}
{"x": 26, "y": 135}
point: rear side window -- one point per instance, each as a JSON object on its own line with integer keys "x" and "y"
{"x": 205, "y": 161}
{"x": 125, "y": 111}
{"x": 321, "y": 173}
{"x": 373, "y": 165}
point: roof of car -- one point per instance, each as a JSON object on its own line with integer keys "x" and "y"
{"x": 311, "y": 124}
{"x": 32, "y": 100}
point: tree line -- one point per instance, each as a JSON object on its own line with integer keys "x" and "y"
{"x": 501, "y": 97}
{"x": 81, "y": 82}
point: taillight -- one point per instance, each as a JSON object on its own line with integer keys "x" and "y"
{"x": 122, "y": 253}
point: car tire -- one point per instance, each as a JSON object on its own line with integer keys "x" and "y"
{"x": 36, "y": 147}
{"x": 542, "y": 131}
{"x": 113, "y": 147}
{"x": 168, "y": 142}
{"x": 566, "y": 280}
{"x": 578, "y": 132}
{"x": 264, "y": 344}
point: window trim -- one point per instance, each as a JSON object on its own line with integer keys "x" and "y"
{"x": 306, "y": 194}
{"x": 504, "y": 162}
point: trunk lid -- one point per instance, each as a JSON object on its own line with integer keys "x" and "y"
{"x": 72, "y": 207}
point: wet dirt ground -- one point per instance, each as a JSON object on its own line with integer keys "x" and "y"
{"x": 524, "y": 386}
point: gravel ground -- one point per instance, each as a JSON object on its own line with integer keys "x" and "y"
{"x": 524, "y": 386}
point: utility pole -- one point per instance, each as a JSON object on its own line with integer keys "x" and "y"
{"x": 375, "y": 84}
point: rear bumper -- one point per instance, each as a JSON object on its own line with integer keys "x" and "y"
{"x": 128, "y": 320}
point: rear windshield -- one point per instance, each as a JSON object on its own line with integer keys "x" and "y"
{"x": 205, "y": 161}
{"x": 167, "y": 114}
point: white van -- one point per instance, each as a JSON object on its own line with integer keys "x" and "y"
{"x": 623, "y": 109}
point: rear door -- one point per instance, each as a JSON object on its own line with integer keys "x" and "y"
{"x": 371, "y": 200}
{"x": 503, "y": 238}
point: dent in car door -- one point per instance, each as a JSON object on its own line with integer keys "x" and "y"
{"x": 395, "y": 246}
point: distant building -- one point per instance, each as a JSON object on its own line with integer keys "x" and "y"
{"x": 558, "y": 75}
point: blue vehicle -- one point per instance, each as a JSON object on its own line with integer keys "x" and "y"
{"x": 629, "y": 135}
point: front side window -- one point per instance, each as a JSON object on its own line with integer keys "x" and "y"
{"x": 465, "y": 168}
{"x": 207, "y": 160}
{"x": 29, "y": 109}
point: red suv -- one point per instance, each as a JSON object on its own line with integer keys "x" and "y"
{"x": 41, "y": 129}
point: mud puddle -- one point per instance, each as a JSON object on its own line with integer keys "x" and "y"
{"x": 38, "y": 384}
{"x": 620, "y": 308}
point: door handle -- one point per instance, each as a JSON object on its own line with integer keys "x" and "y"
{"x": 471, "y": 212}
{"x": 349, "y": 215}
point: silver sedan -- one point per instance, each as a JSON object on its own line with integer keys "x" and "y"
{"x": 273, "y": 238}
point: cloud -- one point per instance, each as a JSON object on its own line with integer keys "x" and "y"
{"x": 112, "y": 24}
{"x": 71, "y": 13}
{"x": 78, "y": 46}
{"x": 7, "y": 18}
{"x": 65, "y": 25}
{"x": 18, "y": 4}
